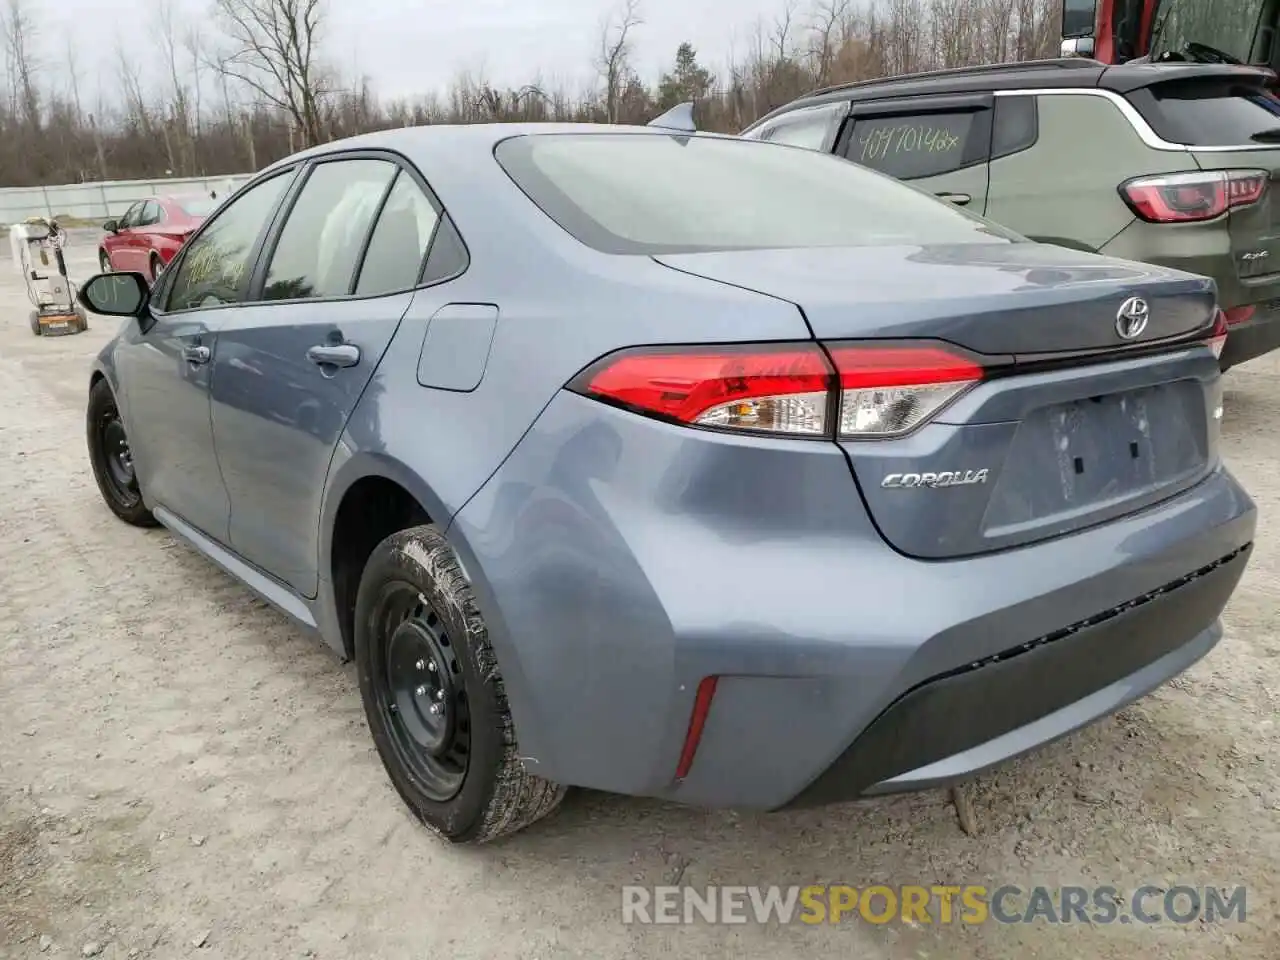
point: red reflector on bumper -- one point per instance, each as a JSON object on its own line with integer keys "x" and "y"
{"x": 697, "y": 720}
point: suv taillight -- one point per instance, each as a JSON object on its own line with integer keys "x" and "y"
{"x": 849, "y": 391}
{"x": 1193, "y": 197}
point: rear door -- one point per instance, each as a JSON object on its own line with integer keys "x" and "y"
{"x": 1230, "y": 125}
{"x": 292, "y": 365}
{"x": 940, "y": 144}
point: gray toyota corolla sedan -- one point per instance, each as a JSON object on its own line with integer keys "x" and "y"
{"x": 677, "y": 465}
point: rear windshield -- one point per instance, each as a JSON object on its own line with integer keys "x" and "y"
{"x": 198, "y": 206}
{"x": 647, "y": 193}
{"x": 1211, "y": 114}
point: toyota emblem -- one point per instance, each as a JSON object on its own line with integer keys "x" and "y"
{"x": 1132, "y": 318}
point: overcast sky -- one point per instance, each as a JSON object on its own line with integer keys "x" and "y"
{"x": 406, "y": 46}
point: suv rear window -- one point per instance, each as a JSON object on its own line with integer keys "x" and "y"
{"x": 1209, "y": 114}
{"x": 649, "y": 193}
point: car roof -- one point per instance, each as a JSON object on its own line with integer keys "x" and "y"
{"x": 439, "y": 140}
{"x": 1062, "y": 73}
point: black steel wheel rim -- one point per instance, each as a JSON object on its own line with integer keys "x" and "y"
{"x": 420, "y": 691}
{"x": 117, "y": 458}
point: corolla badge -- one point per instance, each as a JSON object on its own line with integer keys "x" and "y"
{"x": 945, "y": 478}
{"x": 1132, "y": 317}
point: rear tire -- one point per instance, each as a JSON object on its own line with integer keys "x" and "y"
{"x": 34, "y": 319}
{"x": 157, "y": 268}
{"x": 112, "y": 460}
{"x": 104, "y": 262}
{"x": 433, "y": 696}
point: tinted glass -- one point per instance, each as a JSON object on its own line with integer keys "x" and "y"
{"x": 1078, "y": 18}
{"x": 214, "y": 269}
{"x": 1016, "y": 126}
{"x": 131, "y": 215}
{"x": 1207, "y": 114}
{"x": 150, "y": 213}
{"x": 912, "y": 146}
{"x": 320, "y": 244}
{"x": 448, "y": 256}
{"x": 399, "y": 241}
{"x": 647, "y": 193}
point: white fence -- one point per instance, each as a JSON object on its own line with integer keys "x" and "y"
{"x": 103, "y": 199}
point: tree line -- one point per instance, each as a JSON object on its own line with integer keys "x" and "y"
{"x": 253, "y": 83}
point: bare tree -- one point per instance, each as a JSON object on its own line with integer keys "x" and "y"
{"x": 274, "y": 51}
{"x": 615, "y": 53}
{"x": 20, "y": 44}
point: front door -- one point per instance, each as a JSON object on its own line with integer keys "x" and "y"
{"x": 291, "y": 367}
{"x": 941, "y": 145}
{"x": 166, "y": 367}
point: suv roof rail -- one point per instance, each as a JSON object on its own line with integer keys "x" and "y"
{"x": 1059, "y": 63}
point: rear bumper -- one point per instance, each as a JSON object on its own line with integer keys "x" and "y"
{"x": 618, "y": 562}
{"x": 1258, "y": 335}
{"x": 981, "y": 714}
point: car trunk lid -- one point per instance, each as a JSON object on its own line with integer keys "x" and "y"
{"x": 997, "y": 299}
{"x": 1070, "y": 424}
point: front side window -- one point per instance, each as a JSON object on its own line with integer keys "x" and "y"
{"x": 214, "y": 271}
{"x": 131, "y": 216}
{"x": 917, "y": 145}
{"x": 320, "y": 245}
{"x": 652, "y": 193}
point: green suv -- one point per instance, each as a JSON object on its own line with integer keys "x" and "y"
{"x": 1167, "y": 163}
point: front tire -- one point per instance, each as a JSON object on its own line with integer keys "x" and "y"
{"x": 434, "y": 698}
{"x": 112, "y": 460}
{"x": 34, "y": 319}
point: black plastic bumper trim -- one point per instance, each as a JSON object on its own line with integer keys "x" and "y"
{"x": 964, "y": 708}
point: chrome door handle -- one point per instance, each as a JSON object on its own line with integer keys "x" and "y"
{"x": 196, "y": 354}
{"x": 959, "y": 199}
{"x": 334, "y": 354}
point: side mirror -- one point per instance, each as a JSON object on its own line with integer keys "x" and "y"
{"x": 111, "y": 226}
{"x": 115, "y": 294}
{"x": 1079, "y": 19}
{"x": 1078, "y": 47}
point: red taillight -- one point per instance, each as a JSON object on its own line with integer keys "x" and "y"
{"x": 1238, "y": 315}
{"x": 874, "y": 390}
{"x": 888, "y": 391}
{"x": 1218, "y": 336}
{"x": 697, "y": 721}
{"x": 1193, "y": 197}
{"x": 776, "y": 389}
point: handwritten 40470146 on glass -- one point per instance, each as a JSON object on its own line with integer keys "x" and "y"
{"x": 907, "y": 138}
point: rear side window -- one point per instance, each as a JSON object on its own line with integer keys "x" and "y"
{"x": 1016, "y": 126}
{"x": 652, "y": 193}
{"x": 320, "y": 245}
{"x": 1210, "y": 114}
{"x": 919, "y": 145}
{"x": 399, "y": 242}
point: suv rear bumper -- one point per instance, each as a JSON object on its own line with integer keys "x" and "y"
{"x": 1258, "y": 335}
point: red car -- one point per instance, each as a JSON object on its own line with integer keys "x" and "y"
{"x": 151, "y": 231}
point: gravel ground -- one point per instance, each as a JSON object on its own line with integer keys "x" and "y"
{"x": 182, "y": 773}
